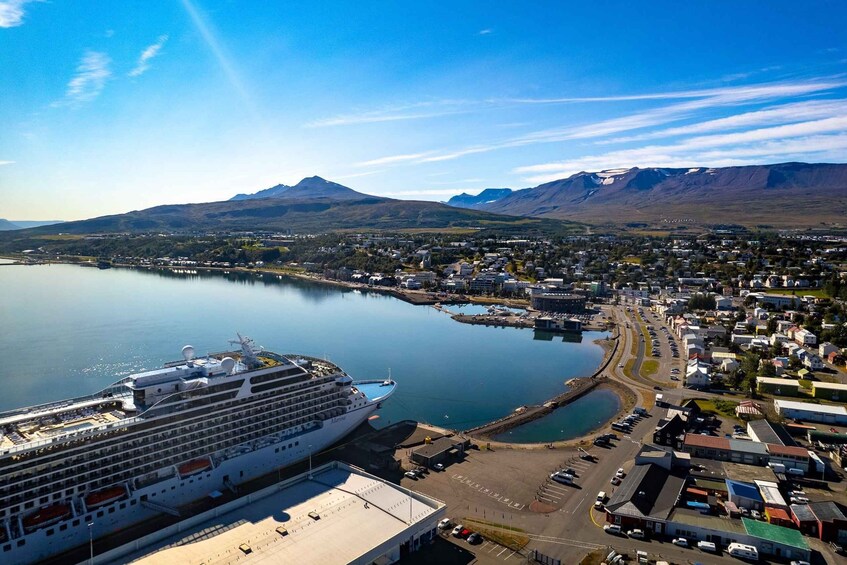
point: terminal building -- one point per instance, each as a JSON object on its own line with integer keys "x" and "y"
{"x": 334, "y": 514}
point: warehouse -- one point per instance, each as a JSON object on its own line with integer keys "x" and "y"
{"x": 808, "y": 412}
{"x": 777, "y": 385}
{"x": 829, "y": 391}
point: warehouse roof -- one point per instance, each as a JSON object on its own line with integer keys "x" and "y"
{"x": 778, "y": 534}
{"x": 809, "y": 407}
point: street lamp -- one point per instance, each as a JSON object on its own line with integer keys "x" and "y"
{"x": 90, "y": 544}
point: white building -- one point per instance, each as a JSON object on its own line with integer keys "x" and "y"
{"x": 805, "y": 411}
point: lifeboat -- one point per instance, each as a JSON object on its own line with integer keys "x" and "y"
{"x": 47, "y": 515}
{"x": 104, "y": 496}
{"x": 195, "y": 466}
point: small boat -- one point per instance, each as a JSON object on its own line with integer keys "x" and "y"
{"x": 47, "y": 515}
{"x": 195, "y": 466}
{"x": 104, "y": 496}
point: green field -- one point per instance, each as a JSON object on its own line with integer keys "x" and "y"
{"x": 800, "y": 292}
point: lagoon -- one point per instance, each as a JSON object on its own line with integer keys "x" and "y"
{"x": 69, "y": 331}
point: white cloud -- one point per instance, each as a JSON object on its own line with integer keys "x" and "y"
{"x": 414, "y": 111}
{"x": 12, "y": 12}
{"x": 392, "y": 159}
{"x": 6, "y": 163}
{"x": 429, "y": 192}
{"x": 486, "y": 31}
{"x": 357, "y": 175}
{"x": 90, "y": 78}
{"x": 144, "y": 59}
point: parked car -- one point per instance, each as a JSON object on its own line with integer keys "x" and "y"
{"x": 707, "y": 546}
{"x": 465, "y": 533}
{"x": 474, "y": 538}
{"x": 444, "y": 524}
{"x": 438, "y": 467}
{"x": 598, "y": 505}
{"x": 615, "y": 481}
{"x": 636, "y": 534}
{"x": 457, "y": 530}
{"x": 755, "y": 515}
{"x": 681, "y": 542}
{"x": 799, "y": 500}
{"x": 586, "y": 456}
{"x": 620, "y": 473}
{"x": 411, "y": 475}
{"x": 612, "y": 529}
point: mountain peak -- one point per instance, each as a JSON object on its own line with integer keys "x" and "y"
{"x": 309, "y": 187}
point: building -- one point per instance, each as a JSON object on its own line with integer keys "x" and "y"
{"x": 723, "y": 449}
{"x": 777, "y": 386}
{"x": 767, "y": 432}
{"x": 806, "y": 411}
{"x": 823, "y": 520}
{"x": 829, "y": 391}
{"x": 645, "y": 498}
{"x": 310, "y": 514}
{"x": 791, "y": 456}
{"x": 668, "y": 430}
{"x": 440, "y": 451}
{"x": 744, "y": 495}
{"x": 559, "y": 302}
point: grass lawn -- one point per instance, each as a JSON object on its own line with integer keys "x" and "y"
{"x": 718, "y": 406}
{"x": 649, "y": 367}
{"x": 513, "y": 538}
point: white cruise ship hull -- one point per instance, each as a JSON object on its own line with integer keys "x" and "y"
{"x": 171, "y": 493}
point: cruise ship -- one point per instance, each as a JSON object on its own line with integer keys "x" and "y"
{"x": 78, "y": 469}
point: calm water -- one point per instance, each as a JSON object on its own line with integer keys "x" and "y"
{"x": 69, "y": 331}
{"x": 578, "y": 418}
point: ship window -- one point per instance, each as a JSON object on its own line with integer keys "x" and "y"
{"x": 173, "y": 488}
{"x": 112, "y": 510}
{"x": 88, "y": 518}
{"x": 76, "y": 523}
{"x": 50, "y": 532}
{"x": 21, "y": 542}
{"x": 132, "y": 502}
{"x": 7, "y": 547}
{"x": 100, "y": 514}
{"x": 63, "y": 527}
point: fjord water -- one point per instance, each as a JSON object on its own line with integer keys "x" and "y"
{"x": 70, "y": 331}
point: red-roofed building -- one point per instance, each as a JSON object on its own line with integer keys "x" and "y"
{"x": 779, "y": 517}
{"x": 791, "y": 456}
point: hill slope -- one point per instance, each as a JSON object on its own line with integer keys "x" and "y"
{"x": 786, "y": 194}
{"x": 6, "y": 225}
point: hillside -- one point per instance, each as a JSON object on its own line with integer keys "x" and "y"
{"x": 6, "y": 225}
{"x": 781, "y": 195}
{"x": 302, "y": 216}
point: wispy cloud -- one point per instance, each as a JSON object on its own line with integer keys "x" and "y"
{"x": 12, "y": 12}
{"x": 90, "y": 78}
{"x": 412, "y": 111}
{"x": 357, "y": 175}
{"x": 812, "y": 139}
{"x": 144, "y": 59}
{"x": 6, "y": 163}
{"x": 393, "y": 159}
{"x": 486, "y": 31}
{"x": 429, "y": 192}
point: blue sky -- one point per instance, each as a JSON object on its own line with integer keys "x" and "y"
{"x": 106, "y": 108}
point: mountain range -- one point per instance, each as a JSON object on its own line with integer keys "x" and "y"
{"x": 487, "y": 196}
{"x": 6, "y": 225}
{"x": 780, "y": 195}
{"x": 312, "y": 205}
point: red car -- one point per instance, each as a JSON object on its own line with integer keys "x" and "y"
{"x": 833, "y": 430}
{"x": 465, "y": 533}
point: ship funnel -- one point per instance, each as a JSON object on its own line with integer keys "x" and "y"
{"x": 188, "y": 352}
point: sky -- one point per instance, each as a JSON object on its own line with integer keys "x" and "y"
{"x": 119, "y": 106}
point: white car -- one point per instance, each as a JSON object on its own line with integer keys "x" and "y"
{"x": 411, "y": 475}
{"x": 438, "y": 467}
{"x": 681, "y": 542}
{"x": 636, "y": 534}
{"x": 799, "y": 500}
{"x": 612, "y": 529}
{"x": 620, "y": 474}
{"x": 444, "y": 524}
{"x": 457, "y": 530}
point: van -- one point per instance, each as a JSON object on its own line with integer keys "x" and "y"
{"x": 707, "y": 546}
{"x": 795, "y": 472}
{"x": 601, "y": 496}
{"x": 743, "y": 551}
{"x": 777, "y": 467}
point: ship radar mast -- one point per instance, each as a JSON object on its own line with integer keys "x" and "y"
{"x": 249, "y": 352}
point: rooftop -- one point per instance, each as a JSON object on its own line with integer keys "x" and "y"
{"x": 770, "y": 433}
{"x": 648, "y": 490}
{"x": 695, "y": 518}
{"x": 822, "y": 408}
{"x": 357, "y": 512}
{"x": 710, "y": 442}
{"x": 827, "y": 511}
{"x": 778, "y": 534}
{"x": 803, "y": 512}
{"x": 831, "y": 386}
{"x": 795, "y": 451}
{"x": 746, "y": 490}
{"x": 779, "y": 381}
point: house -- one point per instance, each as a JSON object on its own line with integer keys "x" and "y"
{"x": 668, "y": 430}
{"x": 813, "y": 362}
{"x": 826, "y": 348}
{"x": 697, "y": 375}
{"x": 805, "y": 337}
